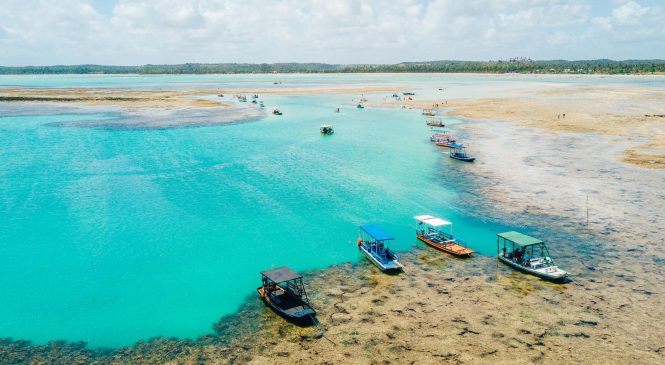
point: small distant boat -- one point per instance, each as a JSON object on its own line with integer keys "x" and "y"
{"x": 395, "y": 96}
{"x": 254, "y": 101}
{"x": 255, "y": 96}
{"x": 459, "y": 153}
{"x": 261, "y": 104}
{"x": 360, "y": 106}
{"x": 408, "y": 93}
{"x": 220, "y": 95}
{"x": 434, "y": 122}
{"x": 242, "y": 98}
{"x": 363, "y": 99}
{"x": 528, "y": 254}
{"x": 428, "y": 230}
{"x": 282, "y": 290}
{"x": 337, "y": 110}
{"x": 373, "y": 242}
{"x": 442, "y": 138}
{"x": 428, "y": 112}
{"x": 276, "y": 111}
{"x": 327, "y": 129}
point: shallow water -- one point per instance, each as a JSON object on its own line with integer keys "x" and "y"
{"x": 111, "y": 235}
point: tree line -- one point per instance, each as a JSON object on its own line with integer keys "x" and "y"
{"x": 510, "y": 66}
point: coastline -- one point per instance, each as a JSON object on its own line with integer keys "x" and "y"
{"x": 632, "y": 114}
{"x": 475, "y": 311}
{"x": 462, "y": 311}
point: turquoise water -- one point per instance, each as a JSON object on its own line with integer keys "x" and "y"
{"x": 112, "y": 236}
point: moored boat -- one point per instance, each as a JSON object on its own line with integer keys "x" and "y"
{"x": 360, "y": 106}
{"x": 326, "y": 129}
{"x": 373, "y": 243}
{"x": 282, "y": 289}
{"x": 276, "y": 111}
{"x": 429, "y": 230}
{"x": 428, "y": 112}
{"x": 442, "y": 137}
{"x": 458, "y": 152}
{"x": 529, "y": 255}
{"x": 433, "y": 121}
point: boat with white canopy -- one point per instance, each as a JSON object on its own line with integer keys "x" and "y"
{"x": 430, "y": 230}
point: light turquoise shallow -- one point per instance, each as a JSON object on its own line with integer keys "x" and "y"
{"x": 111, "y": 236}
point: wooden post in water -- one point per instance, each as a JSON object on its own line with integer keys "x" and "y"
{"x": 587, "y": 209}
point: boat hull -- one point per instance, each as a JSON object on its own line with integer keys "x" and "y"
{"x": 451, "y": 247}
{"x": 465, "y": 159}
{"x": 553, "y": 278}
{"x": 394, "y": 268}
{"x": 304, "y": 320}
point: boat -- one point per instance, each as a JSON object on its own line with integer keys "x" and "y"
{"x": 360, "y": 106}
{"x": 529, "y": 255}
{"x": 408, "y": 93}
{"x": 242, "y": 98}
{"x": 429, "y": 229}
{"x": 276, "y": 111}
{"x": 442, "y": 137}
{"x": 373, "y": 243}
{"x": 283, "y": 291}
{"x": 459, "y": 153}
{"x": 337, "y": 110}
{"x": 220, "y": 95}
{"x": 432, "y": 121}
{"x": 261, "y": 104}
{"x": 362, "y": 98}
{"x": 253, "y": 101}
{"x": 255, "y": 96}
{"x": 428, "y": 112}
{"x": 327, "y": 129}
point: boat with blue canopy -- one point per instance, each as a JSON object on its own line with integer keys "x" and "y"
{"x": 528, "y": 254}
{"x": 458, "y": 152}
{"x": 373, "y": 242}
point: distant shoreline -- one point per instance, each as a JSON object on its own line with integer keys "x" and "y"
{"x": 519, "y": 66}
{"x": 346, "y": 73}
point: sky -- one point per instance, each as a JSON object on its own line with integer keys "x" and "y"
{"x": 126, "y": 32}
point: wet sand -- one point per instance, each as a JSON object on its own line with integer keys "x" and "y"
{"x": 123, "y": 98}
{"x": 631, "y": 113}
{"x": 134, "y": 100}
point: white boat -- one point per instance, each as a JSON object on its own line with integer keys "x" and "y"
{"x": 529, "y": 255}
{"x": 373, "y": 243}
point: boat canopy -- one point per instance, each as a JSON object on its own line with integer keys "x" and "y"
{"x": 432, "y": 221}
{"x": 376, "y": 232}
{"x": 455, "y": 145}
{"x": 519, "y": 238}
{"x": 281, "y": 274}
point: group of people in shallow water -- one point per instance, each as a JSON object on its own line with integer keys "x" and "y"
{"x": 518, "y": 256}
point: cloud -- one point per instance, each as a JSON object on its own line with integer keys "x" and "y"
{"x": 629, "y": 13}
{"x": 633, "y": 24}
{"x": 342, "y": 31}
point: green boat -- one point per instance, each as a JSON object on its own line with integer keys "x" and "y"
{"x": 528, "y": 254}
